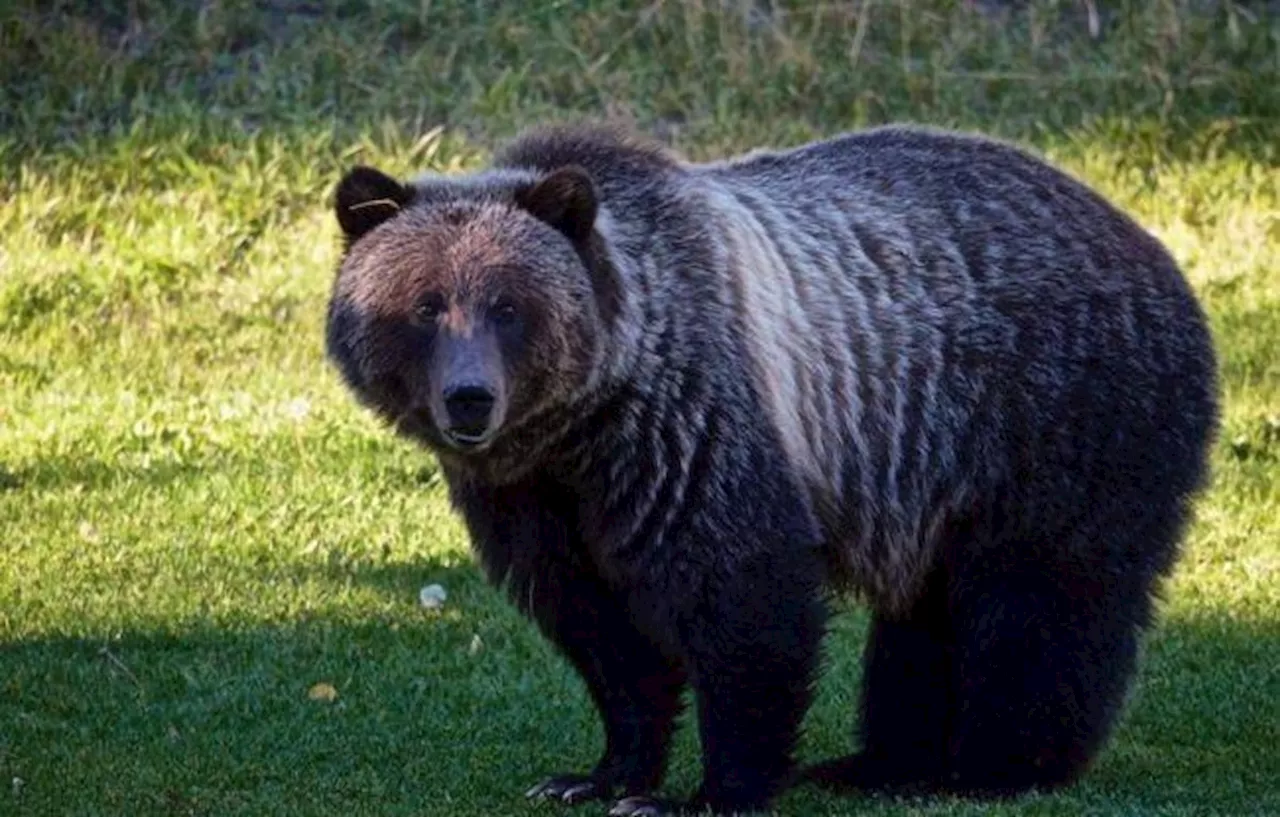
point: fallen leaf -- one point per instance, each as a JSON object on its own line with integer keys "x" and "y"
{"x": 322, "y": 692}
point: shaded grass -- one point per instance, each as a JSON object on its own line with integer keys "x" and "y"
{"x": 198, "y": 524}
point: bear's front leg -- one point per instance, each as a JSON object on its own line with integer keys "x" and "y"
{"x": 526, "y": 539}
{"x": 635, "y": 688}
{"x": 752, "y": 645}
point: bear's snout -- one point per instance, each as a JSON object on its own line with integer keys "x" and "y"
{"x": 469, "y": 407}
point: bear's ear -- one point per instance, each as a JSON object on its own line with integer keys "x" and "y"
{"x": 367, "y": 197}
{"x": 565, "y": 199}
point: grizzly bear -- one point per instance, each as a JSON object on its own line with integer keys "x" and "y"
{"x": 679, "y": 404}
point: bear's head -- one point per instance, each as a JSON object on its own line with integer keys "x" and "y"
{"x": 464, "y": 307}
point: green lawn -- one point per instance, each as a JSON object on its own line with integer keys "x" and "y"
{"x": 197, "y": 524}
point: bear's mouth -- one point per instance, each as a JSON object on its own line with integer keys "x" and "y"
{"x": 421, "y": 424}
{"x": 467, "y": 439}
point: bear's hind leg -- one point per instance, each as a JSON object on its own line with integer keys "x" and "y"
{"x": 1043, "y": 658}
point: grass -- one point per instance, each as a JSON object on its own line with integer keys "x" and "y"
{"x": 198, "y": 525}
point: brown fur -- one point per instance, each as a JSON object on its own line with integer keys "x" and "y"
{"x": 923, "y": 366}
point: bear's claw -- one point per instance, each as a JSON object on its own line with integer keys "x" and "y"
{"x": 640, "y": 807}
{"x": 571, "y": 788}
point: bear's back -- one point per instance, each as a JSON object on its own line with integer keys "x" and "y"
{"x": 929, "y": 316}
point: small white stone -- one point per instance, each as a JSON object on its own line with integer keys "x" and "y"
{"x": 432, "y": 597}
{"x": 298, "y": 408}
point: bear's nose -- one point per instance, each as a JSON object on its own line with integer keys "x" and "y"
{"x": 469, "y": 407}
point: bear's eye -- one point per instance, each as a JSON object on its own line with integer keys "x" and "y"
{"x": 504, "y": 313}
{"x": 428, "y": 310}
